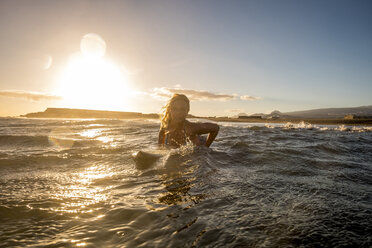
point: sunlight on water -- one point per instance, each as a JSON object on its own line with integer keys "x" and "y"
{"x": 106, "y": 139}
{"x": 92, "y": 173}
{"x": 78, "y": 198}
{"x": 76, "y": 242}
{"x": 94, "y": 133}
{"x": 90, "y": 133}
{"x": 273, "y": 185}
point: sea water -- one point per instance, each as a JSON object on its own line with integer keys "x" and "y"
{"x": 74, "y": 183}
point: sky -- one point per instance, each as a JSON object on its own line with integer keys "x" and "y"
{"x": 228, "y": 57}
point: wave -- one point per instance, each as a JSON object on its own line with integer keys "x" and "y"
{"x": 24, "y": 140}
{"x": 273, "y": 185}
{"x": 331, "y": 148}
{"x": 45, "y": 141}
{"x": 232, "y": 127}
{"x": 21, "y": 212}
{"x": 55, "y": 159}
{"x": 341, "y": 128}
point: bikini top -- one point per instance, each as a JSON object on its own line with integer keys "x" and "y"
{"x": 184, "y": 133}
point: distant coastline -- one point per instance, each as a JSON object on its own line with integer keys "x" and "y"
{"x": 333, "y": 121}
{"x": 101, "y": 114}
{"x": 87, "y": 114}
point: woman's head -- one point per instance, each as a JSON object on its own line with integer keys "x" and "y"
{"x": 175, "y": 110}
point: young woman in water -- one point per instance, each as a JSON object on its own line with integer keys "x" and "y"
{"x": 175, "y": 130}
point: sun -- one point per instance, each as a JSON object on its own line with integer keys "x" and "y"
{"x": 90, "y": 81}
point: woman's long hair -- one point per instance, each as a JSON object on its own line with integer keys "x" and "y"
{"x": 165, "y": 116}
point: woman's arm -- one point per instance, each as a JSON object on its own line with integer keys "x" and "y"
{"x": 161, "y": 138}
{"x": 206, "y": 128}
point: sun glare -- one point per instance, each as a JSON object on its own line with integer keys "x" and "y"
{"x": 90, "y": 81}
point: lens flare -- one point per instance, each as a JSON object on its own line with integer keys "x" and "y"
{"x": 93, "y": 45}
{"x": 57, "y": 137}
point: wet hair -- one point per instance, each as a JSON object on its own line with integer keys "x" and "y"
{"x": 165, "y": 116}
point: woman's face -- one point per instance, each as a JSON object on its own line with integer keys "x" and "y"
{"x": 178, "y": 111}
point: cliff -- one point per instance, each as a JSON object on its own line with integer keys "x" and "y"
{"x": 87, "y": 114}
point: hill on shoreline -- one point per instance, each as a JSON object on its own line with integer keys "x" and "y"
{"x": 86, "y": 113}
{"x": 323, "y": 113}
{"x": 326, "y": 113}
{"x": 332, "y": 112}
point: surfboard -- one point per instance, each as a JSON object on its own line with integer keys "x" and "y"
{"x": 145, "y": 160}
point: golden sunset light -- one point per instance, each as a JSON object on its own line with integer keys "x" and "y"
{"x": 163, "y": 123}
{"x": 91, "y": 81}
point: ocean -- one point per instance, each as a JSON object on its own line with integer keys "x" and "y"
{"x": 74, "y": 183}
